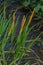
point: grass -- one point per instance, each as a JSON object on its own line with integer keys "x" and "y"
{"x": 9, "y": 27}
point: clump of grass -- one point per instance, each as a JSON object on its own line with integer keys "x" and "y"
{"x": 9, "y": 26}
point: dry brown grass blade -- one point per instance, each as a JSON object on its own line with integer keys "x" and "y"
{"x": 12, "y": 26}
{"x": 23, "y": 23}
{"x": 30, "y": 20}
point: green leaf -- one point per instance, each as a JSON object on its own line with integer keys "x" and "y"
{"x": 42, "y": 8}
{"x": 37, "y": 8}
{"x": 26, "y": 3}
{"x": 0, "y": 64}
